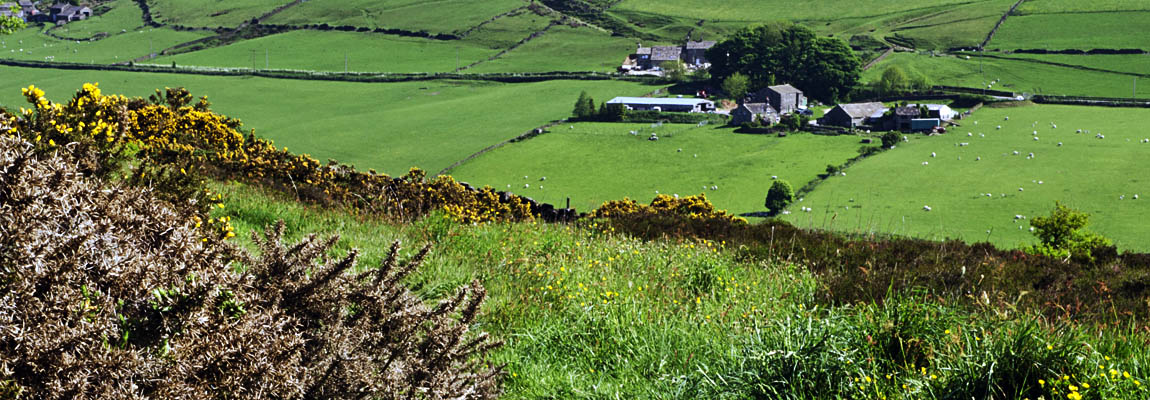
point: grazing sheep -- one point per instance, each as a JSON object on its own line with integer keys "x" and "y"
{"x": 905, "y": 139}
{"x": 998, "y": 127}
{"x": 932, "y": 154}
{"x": 1016, "y": 152}
{"x": 1031, "y": 155}
{"x": 1122, "y": 197}
{"x": 676, "y": 195}
{"x": 926, "y": 208}
{"x": 1035, "y": 133}
{"x": 979, "y": 158}
{"x": 773, "y": 177}
{"x": 1053, "y": 126}
{"x": 1032, "y": 229}
{"x": 1135, "y": 197}
{"x": 968, "y": 134}
{"x": 714, "y": 187}
{"x": 1059, "y": 144}
{"x": 679, "y": 151}
{"x": 925, "y": 163}
{"x": 1006, "y": 119}
{"x": 1036, "y": 138}
{"x": 656, "y": 192}
{"x": 1100, "y": 136}
{"x": 1018, "y": 216}
{"x": 1078, "y": 131}
{"x": 543, "y": 178}
{"x": 976, "y": 122}
{"x": 1019, "y": 189}
{"x": 1039, "y": 182}
{"x": 524, "y": 176}
{"x": 843, "y": 173}
{"x": 526, "y": 185}
{"x": 785, "y": 212}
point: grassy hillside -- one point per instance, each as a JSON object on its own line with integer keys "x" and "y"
{"x": 325, "y": 51}
{"x": 590, "y": 314}
{"x": 440, "y": 16}
{"x": 30, "y": 44}
{"x": 1095, "y": 30}
{"x": 1013, "y": 75}
{"x": 595, "y": 162}
{"x": 1100, "y": 176}
{"x": 564, "y": 48}
{"x": 210, "y": 13}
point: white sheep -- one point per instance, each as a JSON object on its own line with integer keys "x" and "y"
{"x": 1036, "y": 138}
{"x": 1039, "y": 182}
{"x": 968, "y": 134}
{"x": 979, "y": 158}
{"x": 843, "y": 173}
{"x": 1016, "y": 152}
{"x": 905, "y": 139}
{"x": 785, "y": 212}
{"x": 543, "y": 178}
{"x": 1031, "y": 155}
{"x": 998, "y": 127}
{"x": 932, "y": 154}
{"x": 1135, "y": 197}
{"x": 774, "y": 177}
{"x": 1100, "y": 136}
{"x": 981, "y": 135}
{"x": 713, "y": 187}
{"x": 679, "y": 151}
{"x": 1078, "y": 131}
{"x": 1019, "y": 189}
{"x": 1059, "y": 144}
{"x": 1035, "y": 133}
{"x": 925, "y": 163}
{"x": 926, "y": 208}
{"x": 526, "y": 185}
{"x": 1018, "y": 216}
{"x": 1006, "y": 119}
{"x": 1122, "y": 197}
{"x": 524, "y": 176}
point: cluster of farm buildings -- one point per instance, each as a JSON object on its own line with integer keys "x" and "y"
{"x": 58, "y": 13}
{"x": 650, "y": 60}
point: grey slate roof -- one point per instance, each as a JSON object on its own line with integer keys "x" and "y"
{"x": 908, "y": 111}
{"x": 666, "y": 53}
{"x": 643, "y": 50}
{"x": 700, "y": 45}
{"x": 861, "y": 110}
{"x": 758, "y": 108}
{"x": 785, "y": 89}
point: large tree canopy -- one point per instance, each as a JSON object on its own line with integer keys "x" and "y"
{"x": 824, "y": 68}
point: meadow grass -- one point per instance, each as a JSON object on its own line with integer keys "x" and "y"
{"x": 1093, "y": 30}
{"x": 1071, "y": 6}
{"x": 438, "y": 16}
{"x": 507, "y": 31}
{"x": 390, "y": 127}
{"x": 325, "y": 51}
{"x": 586, "y": 313}
{"x": 755, "y": 10}
{"x": 210, "y": 13}
{"x": 887, "y": 193}
{"x": 121, "y": 15}
{"x": 595, "y": 162}
{"x": 31, "y": 44}
{"x": 1012, "y": 75}
{"x": 564, "y": 48}
{"x": 1128, "y": 63}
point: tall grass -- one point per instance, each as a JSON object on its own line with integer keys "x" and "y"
{"x": 589, "y": 313}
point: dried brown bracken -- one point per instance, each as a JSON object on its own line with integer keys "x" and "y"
{"x": 107, "y": 293}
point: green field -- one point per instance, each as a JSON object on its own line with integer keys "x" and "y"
{"x": 437, "y": 16}
{"x": 887, "y": 193}
{"x": 1131, "y": 64}
{"x": 507, "y": 31}
{"x": 563, "y": 48}
{"x": 123, "y": 15}
{"x": 325, "y": 51}
{"x": 595, "y": 162}
{"x": 1085, "y": 31}
{"x": 388, "y": 127}
{"x": 1012, "y": 75}
{"x": 210, "y": 13}
{"x": 31, "y": 44}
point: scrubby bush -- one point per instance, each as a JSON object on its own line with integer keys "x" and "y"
{"x": 889, "y": 139}
{"x": 1064, "y": 235}
{"x": 690, "y": 207}
{"x": 106, "y": 292}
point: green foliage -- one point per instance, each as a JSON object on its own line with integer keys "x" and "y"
{"x": 896, "y": 81}
{"x": 1063, "y": 234}
{"x": 8, "y": 25}
{"x": 779, "y": 196}
{"x": 674, "y": 71}
{"x": 736, "y": 86}
{"x": 890, "y": 139}
{"x": 824, "y": 68}
{"x": 584, "y": 107}
{"x": 793, "y": 122}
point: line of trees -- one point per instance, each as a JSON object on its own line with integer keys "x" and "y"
{"x": 824, "y": 68}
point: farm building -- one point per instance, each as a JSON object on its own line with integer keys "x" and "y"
{"x": 751, "y": 112}
{"x": 915, "y": 117}
{"x": 785, "y": 99}
{"x": 651, "y": 58}
{"x": 940, "y": 111}
{"x": 62, "y": 13}
{"x": 852, "y": 115}
{"x": 695, "y": 53}
{"x": 664, "y": 104}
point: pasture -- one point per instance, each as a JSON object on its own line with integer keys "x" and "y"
{"x": 1085, "y": 31}
{"x": 389, "y": 127}
{"x": 439, "y": 16}
{"x": 1012, "y": 75}
{"x": 210, "y": 13}
{"x": 887, "y": 193}
{"x": 325, "y": 51}
{"x": 122, "y": 15}
{"x": 31, "y": 44}
{"x": 595, "y": 162}
{"x": 563, "y": 48}
{"x": 1125, "y": 63}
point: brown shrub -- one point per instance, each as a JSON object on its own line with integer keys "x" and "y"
{"x": 107, "y": 293}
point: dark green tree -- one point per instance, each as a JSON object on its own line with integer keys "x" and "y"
{"x": 674, "y": 71}
{"x": 824, "y": 68}
{"x": 893, "y": 82}
{"x": 779, "y": 196}
{"x": 584, "y": 106}
{"x": 889, "y": 139}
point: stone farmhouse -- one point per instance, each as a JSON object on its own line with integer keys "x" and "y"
{"x": 62, "y": 13}
{"x": 693, "y": 54}
{"x": 785, "y": 99}
{"x": 754, "y": 112}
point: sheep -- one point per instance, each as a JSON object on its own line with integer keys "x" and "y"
{"x": 926, "y": 208}
{"x": 1078, "y": 131}
{"x": 979, "y": 158}
{"x": 656, "y": 192}
{"x": 925, "y": 163}
{"x": 713, "y": 187}
{"x": 526, "y": 185}
{"x": 1032, "y": 229}
{"x": 976, "y": 122}
{"x": 1039, "y": 182}
{"x": 969, "y": 134}
{"x": 1036, "y": 138}
{"x": 843, "y": 173}
{"x": 989, "y": 195}
{"x": 1016, "y": 152}
{"x": 1100, "y": 136}
{"x": 773, "y": 177}
{"x": 1059, "y": 144}
{"x": 981, "y": 135}
{"x": 785, "y": 212}
{"x": 1006, "y": 119}
{"x": 999, "y": 127}
{"x": 905, "y": 139}
{"x": 524, "y": 176}
{"x": 1053, "y": 126}
{"x": 540, "y": 187}
{"x": 964, "y": 144}
{"x": 679, "y": 151}
{"x": 932, "y": 154}
{"x": 1018, "y": 216}
{"x": 1135, "y": 197}
{"x": 1035, "y": 133}
{"x": 1031, "y": 155}
{"x": 696, "y": 156}
{"x": 676, "y": 195}
{"x": 542, "y": 178}
{"x": 1122, "y": 197}
{"x": 1019, "y": 189}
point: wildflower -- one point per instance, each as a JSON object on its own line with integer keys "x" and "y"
{"x": 1041, "y": 383}
{"x": 1049, "y": 347}
{"x": 946, "y": 331}
{"x": 1125, "y": 374}
{"x": 933, "y": 376}
{"x": 1085, "y": 385}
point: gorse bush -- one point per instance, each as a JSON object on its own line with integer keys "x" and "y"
{"x": 106, "y": 292}
{"x": 690, "y": 207}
